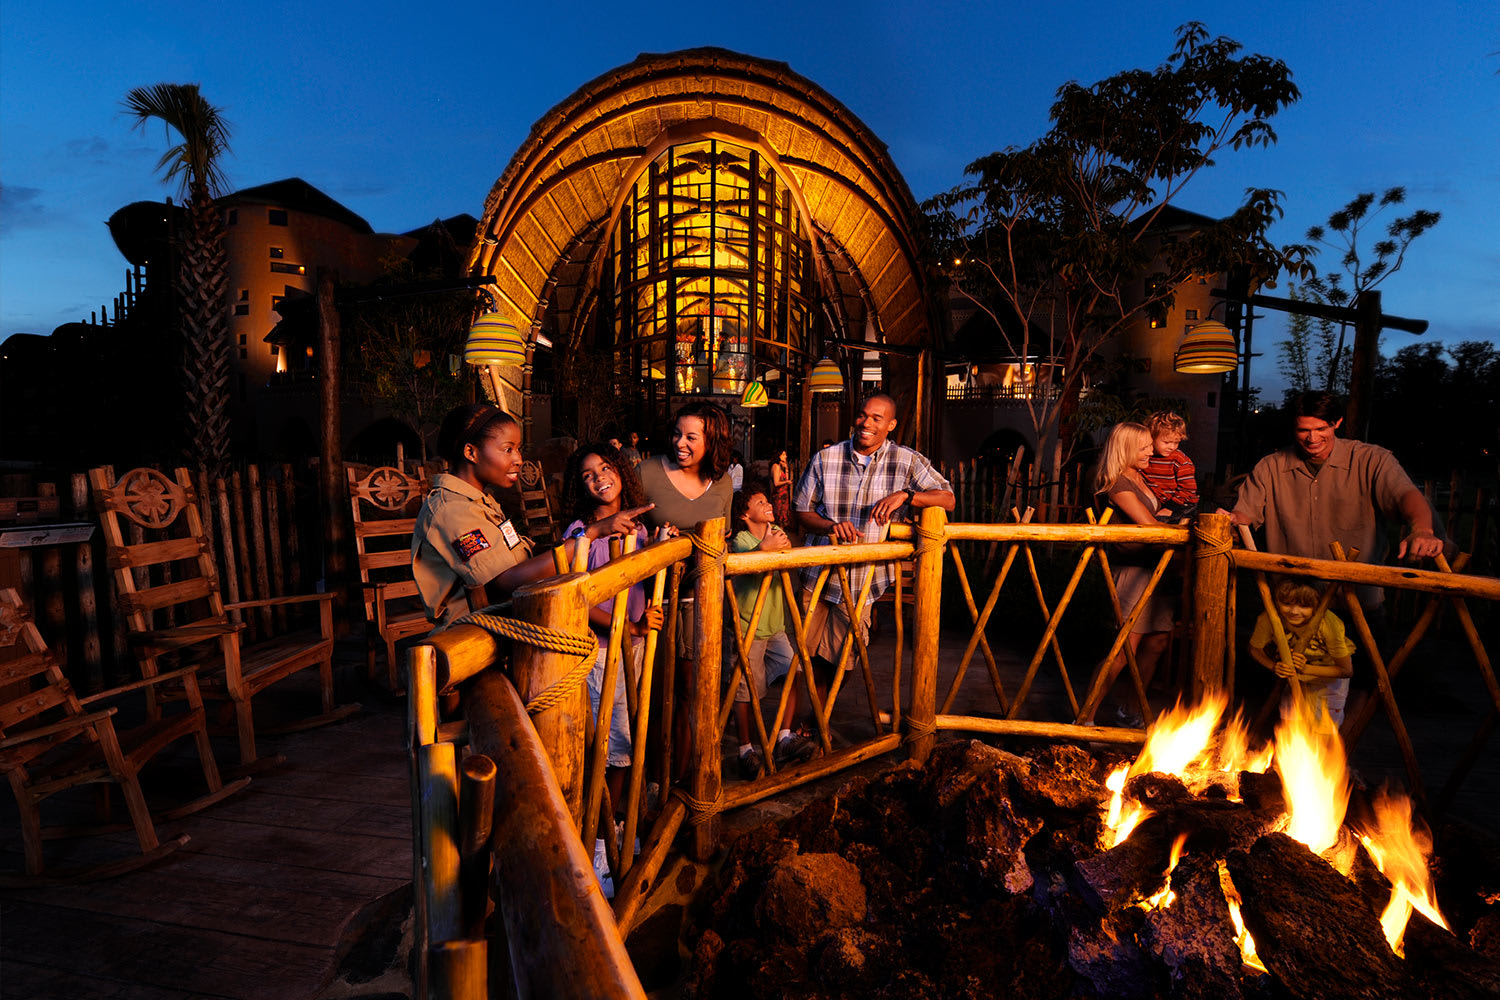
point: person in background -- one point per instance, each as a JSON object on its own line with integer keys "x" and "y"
{"x": 631, "y": 452}
{"x": 736, "y": 471}
{"x": 687, "y": 486}
{"x": 781, "y": 488}
{"x": 847, "y": 491}
{"x": 1324, "y": 667}
{"x": 465, "y": 553}
{"x": 597, "y": 483}
{"x": 755, "y": 529}
{"x": 1170, "y": 473}
{"x": 1121, "y": 481}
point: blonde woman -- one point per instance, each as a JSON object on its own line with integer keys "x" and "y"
{"x": 1119, "y": 483}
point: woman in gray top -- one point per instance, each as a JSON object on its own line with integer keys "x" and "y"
{"x": 688, "y": 485}
{"x": 1119, "y": 479}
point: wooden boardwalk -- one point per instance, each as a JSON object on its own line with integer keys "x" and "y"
{"x": 256, "y": 905}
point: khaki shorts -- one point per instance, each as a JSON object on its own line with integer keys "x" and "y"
{"x": 777, "y": 649}
{"x": 826, "y": 626}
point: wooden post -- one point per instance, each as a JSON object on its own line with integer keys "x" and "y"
{"x": 230, "y": 583}
{"x": 278, "y": 574}
{"x": 330, "y": 450}
{"x": 1362, "y": 361}
{"x": 258, "y": 545}
{"x": 53, "y": 618}
{"x": 460, "y": 970}
{"x": 707, "y": 760}
{"x": 927, "y": 582}
{"x": 241, "y": 541}
{"x": 1211, "y": 541}
{"x": 557, "y": 604}
{"x": 437, "y": 774}
{"x": 476, "y": 813}
{"x": 88, "y": 607}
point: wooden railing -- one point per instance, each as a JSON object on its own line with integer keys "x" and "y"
{"x": 546, "y": 865}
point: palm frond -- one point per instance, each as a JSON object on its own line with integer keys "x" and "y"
{"x": 203, "y": 129}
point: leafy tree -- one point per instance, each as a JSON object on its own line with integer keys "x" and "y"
{"x": 1447, "y": 398}
{"x": 1342, "y": 232}
{"x": 400, "y": 351}
{"x": 1053, "y": 240}
{"x": 200, "y": 279}
{"x": 1311, "y": 351}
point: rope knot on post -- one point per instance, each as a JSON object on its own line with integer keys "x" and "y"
{"x": 585, "y": 647}
{"x": 699, "y": 810}
{"x": 916, "y": 730}
{"x": 1210, "y": 544}
{"x": 713, "y": 550}
{"x": 929, "y": 539}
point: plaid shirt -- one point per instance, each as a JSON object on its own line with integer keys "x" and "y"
{"x": 836, "y": 487}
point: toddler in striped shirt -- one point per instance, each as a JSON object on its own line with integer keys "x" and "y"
{"x": 1170, "y": 473}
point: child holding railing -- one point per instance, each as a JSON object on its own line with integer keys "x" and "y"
{"x": 598, "y": 484}
{"x": 753, "y": 521}
{"x": 1324, "y": 667}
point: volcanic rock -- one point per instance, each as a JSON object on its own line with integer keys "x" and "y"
{"x": 1193, "y": 936}
{"x": 1443, "y": 968}
{"x": 1312, "y": 928}
{"x": 810, "y": 893}
{"x": 1108, "y": 957}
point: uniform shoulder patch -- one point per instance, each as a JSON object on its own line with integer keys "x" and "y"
{"x": 471, "y": 543}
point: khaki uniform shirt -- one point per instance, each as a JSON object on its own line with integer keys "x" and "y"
{"x": 462, "y": 539}
{"x": 1343, "y": 503}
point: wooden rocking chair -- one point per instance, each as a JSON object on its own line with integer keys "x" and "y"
{"x": 51, "y": 740}
{"x": 167, "y": 511}
{"x": 383, "y": 504}
{"x": 536, "y": 505}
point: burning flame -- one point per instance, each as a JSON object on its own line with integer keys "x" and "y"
{"x": 1241, "y": 935}
{"x": 1165, "y": 897}
{"x": 1400, "y": 850}
{"x": 1314, "y": 775}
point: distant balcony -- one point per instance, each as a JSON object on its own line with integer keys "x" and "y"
{"x": 1001, "y": 394}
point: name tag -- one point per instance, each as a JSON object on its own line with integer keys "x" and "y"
{"x": 508, "y": 532}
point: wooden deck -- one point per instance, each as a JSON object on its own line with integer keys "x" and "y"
{"x": 257, "y": 904}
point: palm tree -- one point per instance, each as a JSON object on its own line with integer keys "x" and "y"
{"x": 200, "y": 279}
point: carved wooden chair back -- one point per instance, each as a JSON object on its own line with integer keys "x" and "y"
{"x": 537, "y": 505}
{"x": 168, "y": 590}
{"x": 384, "y": 505}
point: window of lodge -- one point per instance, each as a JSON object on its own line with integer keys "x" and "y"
{"x": 711, "y": 271}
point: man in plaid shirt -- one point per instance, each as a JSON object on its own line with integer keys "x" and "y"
{"x": 848, "y": 492}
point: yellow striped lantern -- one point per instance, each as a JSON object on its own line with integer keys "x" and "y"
{"x": 495, "y": 340}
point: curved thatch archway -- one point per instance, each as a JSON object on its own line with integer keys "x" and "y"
{"x": 547, "y": 221}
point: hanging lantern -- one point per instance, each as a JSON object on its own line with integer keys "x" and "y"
{"x": 825, "y": 377}
{"x": 755, "y": 396}
{"x": 1208, "y": 349}
{"x": 494, "y": 340}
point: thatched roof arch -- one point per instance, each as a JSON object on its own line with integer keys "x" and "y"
{"x": 574, "y": 170}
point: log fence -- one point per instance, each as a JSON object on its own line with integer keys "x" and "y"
{"x": 907, "y": 716}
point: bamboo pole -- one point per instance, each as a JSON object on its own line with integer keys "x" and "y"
{"x": 1278, "y": 631}
{"x": 978, "y": 639}
{"x": 900, "y": 655}
{"x": 853, "y": 609}
{"x": 460, "y": 970}
{"x": 1428, "y": 581}
{"x": 614, "y": 653}
{"x": 1212, "y": 542}
{"x": 927, "y": 581}
{"x": 561, "y": 935}
{"x": 638, "y": 881}
{"x": 803, "y": 661}
{"x": 742, "y": 668}
{"x": 88, "y": 607}
{"x": 258, "y": 546}
{"x": 1040, "y": 730}
{"x": 668, "y": 678}
{"x": 750, "y": 792}
{"x": 642, "y": 727}
{"x": 1387, "y": 693}
{"x": 557, "y": 604}
{"x": 709, "y": 612}
{"x": 437, "y": 775}
{"x": 1114, "y": 601}
{"x": 1100, "y": 683}
{"x": 803, "y": 557}
{"x": 1053, "y": 620}
{"x": 476, "y": 815}
{"x": 1032, "y": 531}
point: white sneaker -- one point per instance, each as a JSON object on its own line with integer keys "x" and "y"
{"x": 601, "y": 869}
{"x": 620, "y": 837}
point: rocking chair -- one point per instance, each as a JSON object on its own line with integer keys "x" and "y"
{"x": 382, "y": 503}
{"x": 168, "y": 512}
{"x": 51, "y": 740}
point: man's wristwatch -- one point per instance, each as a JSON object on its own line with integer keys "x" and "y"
{"x": 911, "y": 494}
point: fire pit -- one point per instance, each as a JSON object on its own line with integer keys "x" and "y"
{"x": 1203, "y": 868}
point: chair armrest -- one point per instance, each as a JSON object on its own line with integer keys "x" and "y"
{"x": 75, "y": 722}
{"x": 170, "y": 675}
{"x": 268, "y": 602}
{"x": 187, "y": 632}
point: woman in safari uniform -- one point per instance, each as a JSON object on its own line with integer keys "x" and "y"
{"x": 465, "y": 553}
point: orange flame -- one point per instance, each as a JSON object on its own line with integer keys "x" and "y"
{"x": 1241, "y": 936}
{"x": 1400, "y": 850}
{"x": 1165, "y": 897}
{"x": 1314, "y": 775}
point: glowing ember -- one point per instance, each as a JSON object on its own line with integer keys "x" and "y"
{"x": 1314, "y": 776}
{"x": 1165, "y": 897}
{"x": 1400, "y": 850}
{"x": 1120, "y": 820}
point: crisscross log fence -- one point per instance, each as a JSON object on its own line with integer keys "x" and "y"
{"x": 517, "y": 814}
